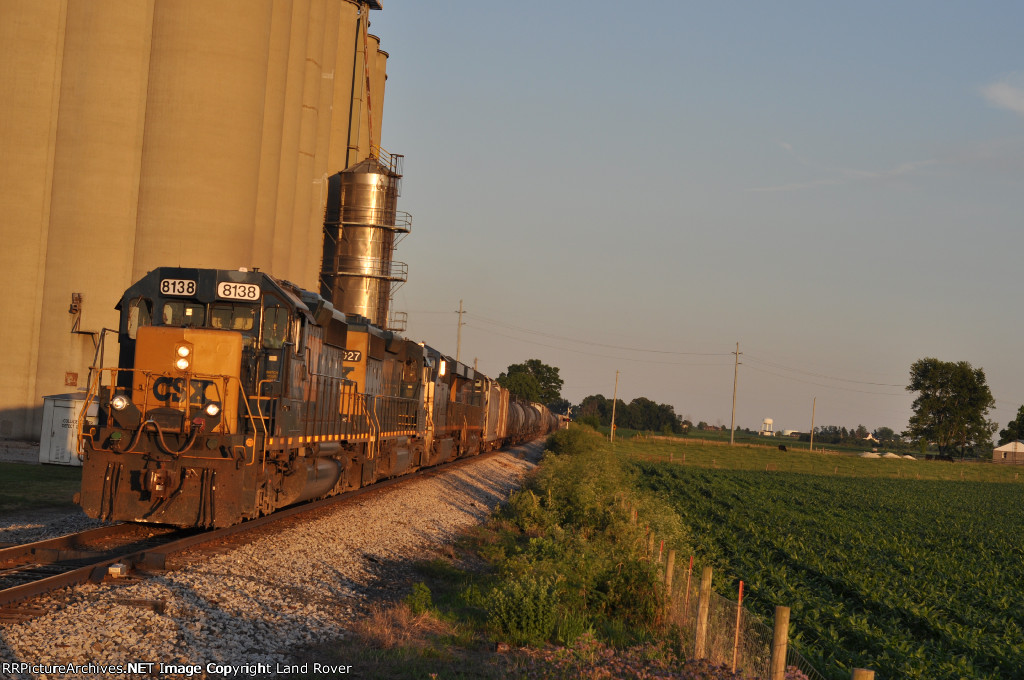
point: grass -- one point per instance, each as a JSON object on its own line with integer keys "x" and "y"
{"x": 34, "y": 487}
{"x": 692, "y": 452}
{"x": 557, "y": 584}
{"x": 741, "y": 438}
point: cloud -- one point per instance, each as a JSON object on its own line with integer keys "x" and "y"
{"x": 837, "y": 175}
{"x": 1004, "y": 94}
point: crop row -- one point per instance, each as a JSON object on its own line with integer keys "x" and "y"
{"x": 915, "y": 579}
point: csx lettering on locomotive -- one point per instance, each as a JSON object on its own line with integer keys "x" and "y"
{"x": 166, "y": 388}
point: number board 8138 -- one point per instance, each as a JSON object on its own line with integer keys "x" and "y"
{"x": 177, "y": 287}
{"x": 238, "y": 291}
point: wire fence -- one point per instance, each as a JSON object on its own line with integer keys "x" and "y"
{"x": 722, "y": 631}
{"x": 734, "y": 636}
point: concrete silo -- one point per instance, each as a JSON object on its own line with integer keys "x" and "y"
{"x": 204, "y": 128}
{"x": 31, "y": 45}
{"x": 145, "y": 133}
{"x": 346, "y": 85}
{"x": 378, "y": 80}
{"x": 274, "y": 112}
{"x": 97, "y": 156}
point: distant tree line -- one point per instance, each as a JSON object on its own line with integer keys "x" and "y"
{"x": 639, "y": 414}
{"x": 950, "y": 410}
{"x": 836, "y": 434}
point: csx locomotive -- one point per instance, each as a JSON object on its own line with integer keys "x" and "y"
{"x": 237, "y": 394}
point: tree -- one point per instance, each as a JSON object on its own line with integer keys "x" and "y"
{"x": 560, "y": 406}
{"x": 522, "y": 385}
{"x": 546, "y": 378}
{"x": 1014, "y": 429}
{"x": 639, "y": 414}
{"x": 953, "y": 400}
{"x": 884, "y": 435}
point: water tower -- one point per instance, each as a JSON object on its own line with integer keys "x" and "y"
{"x": 361, "y": 229}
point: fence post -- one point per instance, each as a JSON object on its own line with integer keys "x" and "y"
{"x": 780, "y": 638}
{"x": 739, "y": 619}
{"x": 703, "y": 604}
{"x": 862, "y": 674}
{"x": 670, "y": 572}
{"x": 686, "y": 601}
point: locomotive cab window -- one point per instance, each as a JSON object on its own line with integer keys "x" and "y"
{"x": 183, "y": 313}
{"x": 139, "y": 314}
{"x": 232, "y": 316}
{"x": 275, "y": 327}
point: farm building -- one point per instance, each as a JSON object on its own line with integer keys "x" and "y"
{"x": 1011, "y": 453}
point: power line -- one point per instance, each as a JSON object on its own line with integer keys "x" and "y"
{"x": 591, "y": 342}
{"x": 594, "y": 354}
{"x": 819, "y": 375}
{"x": 832, "y": 387}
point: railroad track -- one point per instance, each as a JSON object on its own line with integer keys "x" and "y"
{"x": 30, "y": 570}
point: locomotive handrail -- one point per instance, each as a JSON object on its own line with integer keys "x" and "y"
{"x": 220, "y": 383}
{"x": 374, "y": 422}
{"x": 263, "y": 420}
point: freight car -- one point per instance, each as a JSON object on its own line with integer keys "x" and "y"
{"x": 237, "y": 394}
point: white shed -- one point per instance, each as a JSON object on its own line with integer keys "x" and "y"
{"x": 1011, "y": 453}
{"x": 58, "y": 438}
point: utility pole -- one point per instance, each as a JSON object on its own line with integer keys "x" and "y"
{"x": 615, "y": 398}
{"x": 735, "y": 379}
{"x": 458, "y": 344}
{"x": 814, "y": 405}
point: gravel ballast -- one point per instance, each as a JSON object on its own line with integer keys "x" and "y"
{"x": 255, "y": 607}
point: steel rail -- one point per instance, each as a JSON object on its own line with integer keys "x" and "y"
{"x": 155, "y": 558}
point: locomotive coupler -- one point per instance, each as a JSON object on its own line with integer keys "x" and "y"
{"x": 157, "y": 482}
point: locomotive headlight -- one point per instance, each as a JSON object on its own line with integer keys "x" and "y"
{"x": 125, "y": 414}
{"x": 182, "y": 364}
{"x": 444, "y": 366}
{"x": 183, "y": 351}
{"x": 212, "y": 409}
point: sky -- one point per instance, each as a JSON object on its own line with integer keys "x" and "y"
{"x": 837, "y": 187}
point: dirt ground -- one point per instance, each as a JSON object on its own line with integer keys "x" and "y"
{"x": 12, "y": 451}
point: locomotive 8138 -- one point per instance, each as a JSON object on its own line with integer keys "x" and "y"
{"x": 236, "y": 394}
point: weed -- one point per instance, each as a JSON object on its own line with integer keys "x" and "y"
{"x": 523, "y": 610}
{"x": 472, "y": 596}
{"x": 419, "y": 599}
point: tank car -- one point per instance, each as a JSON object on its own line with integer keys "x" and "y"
{"x": 236, "y": 394}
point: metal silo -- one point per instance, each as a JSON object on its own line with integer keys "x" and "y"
{"x": 360, "y": 232}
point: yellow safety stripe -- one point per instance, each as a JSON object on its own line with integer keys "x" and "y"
{"x": 288, "y": 441}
